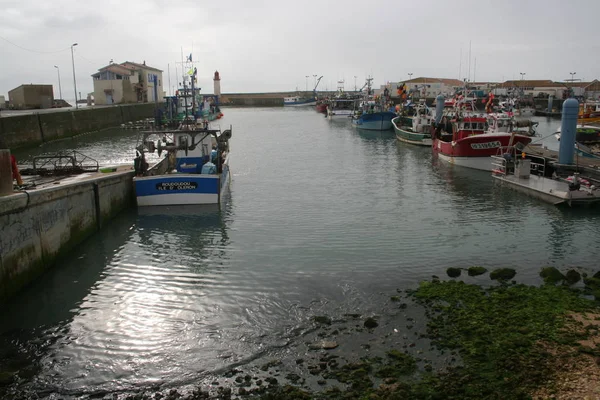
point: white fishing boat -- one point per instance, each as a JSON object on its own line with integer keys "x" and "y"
{"x": 531, "y": 175}
{"x": 192, "y": 166}
{"x": 194, "y": 169}
{"x": 343, "y": 105}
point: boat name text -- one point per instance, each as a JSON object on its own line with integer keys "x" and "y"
{"x": 487, "y": 145}
{"x": 176, "y": 186}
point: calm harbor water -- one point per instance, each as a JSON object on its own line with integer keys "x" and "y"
{"x": 323, "y": 219}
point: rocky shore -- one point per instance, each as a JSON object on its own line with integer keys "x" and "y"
{"x": 446, "y": 339}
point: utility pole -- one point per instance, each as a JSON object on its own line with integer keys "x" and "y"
{"x": 59, "y": 87}
{"x": 74, "y": 80}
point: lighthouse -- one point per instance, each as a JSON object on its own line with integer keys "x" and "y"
{"x": 217, "y": 82}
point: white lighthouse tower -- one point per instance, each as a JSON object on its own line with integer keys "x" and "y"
{"x": 217, "y": 82}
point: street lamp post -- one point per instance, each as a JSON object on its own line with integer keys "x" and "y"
{"x": 355, "y": 88}
{"x": 410, "y": 74}
{"x": 59, "y": 87}
{"x": 306, "y": 84}
{"x": 315, "y": 76}
{"x": 74, "y": 81}
{"x": 572, "y": 76}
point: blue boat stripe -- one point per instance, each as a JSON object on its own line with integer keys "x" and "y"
{"x": 160, "y": 185}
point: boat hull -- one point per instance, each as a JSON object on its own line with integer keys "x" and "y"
{"x": 339, "y": 114}
{"x": 548, "y": 190}
{"x": 524, "y": 112}
{"x": 380, "y": 121}
{"x": 475, "y": 151}
{"x": 180, "y": 189}
{"x": 321, "y": 108}
{"x": 406, "y": 136}
{"x": 301, "y": 103}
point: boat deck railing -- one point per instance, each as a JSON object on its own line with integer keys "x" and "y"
{"x": 503, "y": 163}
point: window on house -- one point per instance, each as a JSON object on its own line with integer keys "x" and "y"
{"x": 119, "y": 77}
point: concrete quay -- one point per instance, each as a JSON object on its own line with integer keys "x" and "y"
{"x": 38, "y": 226}
{"x": 33, "y": 129}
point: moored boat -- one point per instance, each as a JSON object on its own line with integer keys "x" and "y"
{"x": 586, "y": 134}
{"x": 194, "y": 169}
{"x": 299, "y": 101}
{"x": 463, "y": 141}
{"x": 375, "y": 121}
{"x": 195, "y": 166}
{"x": 371, "y": 113}
{"x": 416, "y": 129}
{"x": 535, "y": 177}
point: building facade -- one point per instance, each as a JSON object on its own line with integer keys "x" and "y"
{"x": 127, "y": 82}
{"x": 31, "y": 96}
{"x": 427, "y": 87}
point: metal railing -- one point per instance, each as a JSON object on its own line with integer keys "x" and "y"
{"x": 64, "y": 163}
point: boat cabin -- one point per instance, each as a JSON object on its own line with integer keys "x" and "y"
{"x": 451, "y": 130}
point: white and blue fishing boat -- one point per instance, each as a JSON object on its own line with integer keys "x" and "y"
{"x": 303, "y": 100}
{"x": 298, "y": 101}
{"x": 374, "y": 121}
{"x": 372, "y": 113}
{"x": 195, "y": 165}
{"x": 194, "y": 169}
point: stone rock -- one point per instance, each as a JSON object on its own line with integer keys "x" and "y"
{"x": 453, "y": 272}
{"x": 572, "y": 277}
{"x": 502, "y": 274}
{"x": 551, "y": 275}
{"x": 476, "y": 271}
{"x": 322, "y": 319}
{"x": 325, "y": 344}
{"x": 371, "y": 323}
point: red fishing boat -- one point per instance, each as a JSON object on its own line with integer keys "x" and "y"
{"x": 463, "y": 139}
{"x": 321, "y": 106}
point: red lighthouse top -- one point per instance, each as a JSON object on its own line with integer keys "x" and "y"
{"x": 216, "y": 78}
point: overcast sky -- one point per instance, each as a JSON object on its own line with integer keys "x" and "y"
{"x": 272, "y": 45}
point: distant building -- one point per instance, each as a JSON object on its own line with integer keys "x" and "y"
{"x": 128, "y": 82}
{"x": 428, "y": 87}
{"x": 589, "y": 90}
{"x": 535, "y": 88}
{"x": 31, "y": 96}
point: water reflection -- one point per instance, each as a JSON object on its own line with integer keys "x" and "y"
{"x": 38, "y": 319}
{"x": 136, "y": 306}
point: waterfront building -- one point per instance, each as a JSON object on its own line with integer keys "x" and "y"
{"x": 128, "y": 82}
{"x": 31, "y": 96}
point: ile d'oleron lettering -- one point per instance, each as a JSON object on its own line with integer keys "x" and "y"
{"x": 176, "y": 185}
{"x": 487, "y": 145}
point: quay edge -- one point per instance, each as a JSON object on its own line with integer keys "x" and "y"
{"x": 38, "y": 227}
{"x": 27, "y": 130}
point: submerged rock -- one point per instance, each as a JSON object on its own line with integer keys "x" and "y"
{"x": 572, "y": 277}
{"x": 453, "y": 272}
{"x": 551, "y": 275}
{"x": 325, "y": 344}
{"x": 476, "y": 271}
{"x": 371, "y": 323}
{"x": 322, "y": 319}
{"x": 502, "y": 274}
